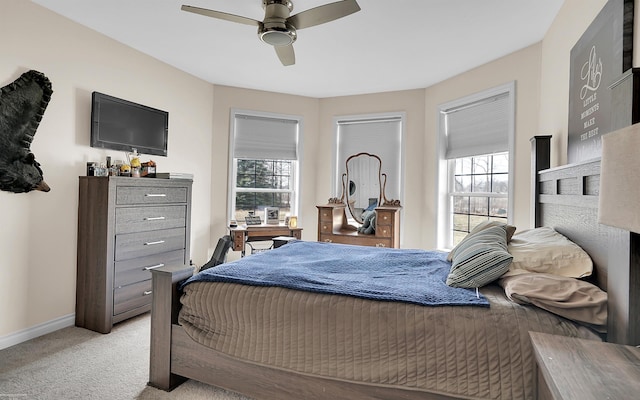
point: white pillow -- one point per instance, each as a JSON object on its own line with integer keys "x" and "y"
{"x": 544, "y": 250}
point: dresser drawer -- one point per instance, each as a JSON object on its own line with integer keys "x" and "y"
{"x": 384, "y": 218}
{"x": 326, "y": 215}
{"x": 326, "y": 227}
{"x": 383, "y": 231}
{"x": 150, "y": 195}
{"x": 134, "y": 245}
{"x": 139, "y": 269}
{"x": 360, "y": 240}
{"x": 238, "y": 240}
{"x": 140, "y": 219}
{"x": 329, "y": 238}
{"x": 127, "y": 298}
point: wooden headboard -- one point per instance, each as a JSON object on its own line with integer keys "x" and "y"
{"x": 566, "y": 199}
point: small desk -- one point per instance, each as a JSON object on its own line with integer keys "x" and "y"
{"x": 580, "y": 369}
{"x": 253, "y": 233}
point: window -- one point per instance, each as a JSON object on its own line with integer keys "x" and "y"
{"x": 480, "y": 191}
{"x": 265, "y": 164}
{"x": 475, "y": 166}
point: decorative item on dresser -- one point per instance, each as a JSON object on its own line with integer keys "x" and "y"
{"x": 126, "y": 228}
{"x": 360, "y": 216}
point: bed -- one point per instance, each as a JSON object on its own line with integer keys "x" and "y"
{"x": 386, "y": 349}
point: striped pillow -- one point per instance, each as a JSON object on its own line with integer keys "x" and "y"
{"x": 510, "y": 229}
{"x": 480, "y": 259}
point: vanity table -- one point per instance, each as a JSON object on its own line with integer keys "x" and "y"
{"x": 333, "y": 227}
{"x": 338, "y": 220}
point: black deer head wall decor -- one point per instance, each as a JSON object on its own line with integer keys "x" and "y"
{"x": 22, "y": 105}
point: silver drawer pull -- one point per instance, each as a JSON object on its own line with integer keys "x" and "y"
{"x": 155, "y": 195}
{"x": 152, "y": 243}
{"x": 154, "y": 218}
{"x": 147, "y": 292}
{"x": 153, "y": 267}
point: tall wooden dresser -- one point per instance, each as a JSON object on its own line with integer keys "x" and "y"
{"x": 126, "y": 228}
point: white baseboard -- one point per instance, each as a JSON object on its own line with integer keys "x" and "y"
{"x": 42, "y": 329}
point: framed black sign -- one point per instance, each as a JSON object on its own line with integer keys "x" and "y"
{"x": 252, "y": 220}
{"x": 599, "y": 57}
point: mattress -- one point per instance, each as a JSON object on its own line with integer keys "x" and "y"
{"x": 467, "y": 352}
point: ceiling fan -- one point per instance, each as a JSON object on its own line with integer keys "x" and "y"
{"x": 279, "y": 27}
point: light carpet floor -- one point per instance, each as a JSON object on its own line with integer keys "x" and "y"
{"x": 76, "y": 363}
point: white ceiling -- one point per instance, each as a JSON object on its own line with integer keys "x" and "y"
{"x": 388, "y": 45}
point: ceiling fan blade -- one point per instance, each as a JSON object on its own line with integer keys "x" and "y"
{"x": 321, "y": 14}
{"x": 221, "y": 15}
{"x": 286, "y": 54}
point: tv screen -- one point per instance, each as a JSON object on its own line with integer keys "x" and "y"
{"x": 119, "y": 124}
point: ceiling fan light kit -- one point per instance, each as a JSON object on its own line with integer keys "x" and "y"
{"x": 277, "y": 35}
{"x": 279, "y": 27}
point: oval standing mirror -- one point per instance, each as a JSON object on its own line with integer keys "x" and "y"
{"x": 362, "y": 184}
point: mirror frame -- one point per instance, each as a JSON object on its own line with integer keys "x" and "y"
{"x": 382, "y": 181}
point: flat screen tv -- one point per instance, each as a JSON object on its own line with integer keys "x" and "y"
{"x": 119, "y": 124}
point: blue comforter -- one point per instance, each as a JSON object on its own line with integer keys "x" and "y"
{"x": 412, "y": 276}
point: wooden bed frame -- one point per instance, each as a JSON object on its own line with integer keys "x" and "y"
{"x": 566, "y": 199}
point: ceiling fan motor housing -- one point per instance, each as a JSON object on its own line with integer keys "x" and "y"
{"x": 275, "y": 30}
{"x": 278, "y": 27}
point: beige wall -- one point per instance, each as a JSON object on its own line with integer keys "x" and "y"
{"x": 38, "y": 230}
{"x": 38, "y": 235}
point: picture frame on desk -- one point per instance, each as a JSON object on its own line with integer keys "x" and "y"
{"x": 272, "y": 215}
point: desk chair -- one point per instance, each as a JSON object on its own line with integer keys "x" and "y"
{"x": 220, "y": 253}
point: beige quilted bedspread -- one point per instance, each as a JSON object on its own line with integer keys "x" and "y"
{"x": 468, "y": 352}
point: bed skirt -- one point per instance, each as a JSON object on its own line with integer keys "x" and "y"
{"x": 466, "y": 352}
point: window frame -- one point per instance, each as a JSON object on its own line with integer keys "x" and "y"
{"x": 445, "y": 173}
{"x": 295, "y": 191}
{"x": 452, "y": 193}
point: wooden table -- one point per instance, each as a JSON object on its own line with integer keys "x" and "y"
{"x": 570, "y": 368}
{"x": 253, "y": 233}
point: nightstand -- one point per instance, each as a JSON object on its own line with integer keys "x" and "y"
{"x": 581, "y": 369}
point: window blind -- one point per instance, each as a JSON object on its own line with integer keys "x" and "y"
{"x": 374, "y": 136}
{"x": 477, "y": 128}
{"x": 381, "y": 136}
{"x": 263, "y": 138}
